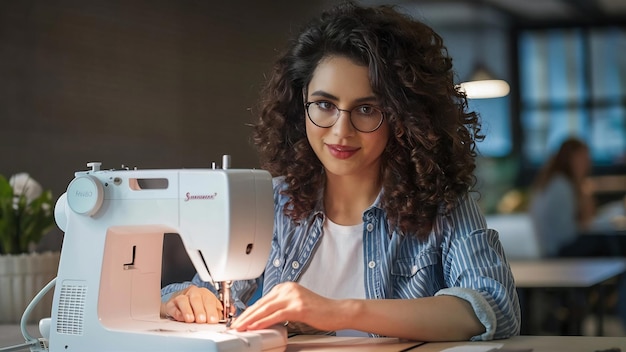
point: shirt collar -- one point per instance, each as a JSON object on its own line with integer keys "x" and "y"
{"x": 319, "y": 205}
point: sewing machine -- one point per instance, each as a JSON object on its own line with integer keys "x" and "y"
{"x": 107, "y": 294}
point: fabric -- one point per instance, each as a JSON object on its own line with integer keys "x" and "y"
{"x": 553, "y": 212}
{"x": 461, "y": 258}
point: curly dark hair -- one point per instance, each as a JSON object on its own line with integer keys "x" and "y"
{"x": 428, "y": 162}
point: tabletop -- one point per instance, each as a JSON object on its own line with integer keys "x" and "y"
{"x": 533, "y": 343}
{"x": 10, "y": 335}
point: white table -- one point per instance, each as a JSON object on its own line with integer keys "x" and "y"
{"x": 10, "y": 335}
{"x": 517, "y": 344}
{"x": 538, "y": 344}
{"x": 567, "y": 273}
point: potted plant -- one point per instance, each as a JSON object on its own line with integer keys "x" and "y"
{"x": 26, "y": 215}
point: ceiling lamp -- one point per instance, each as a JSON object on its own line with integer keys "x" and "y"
{"x": 483, "y": 85}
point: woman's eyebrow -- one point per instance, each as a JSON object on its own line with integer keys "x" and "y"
{"x": 323, "y": 94}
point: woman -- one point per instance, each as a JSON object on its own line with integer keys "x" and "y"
{"x": 562, "y": 204}
{"x": 373, "y": 154}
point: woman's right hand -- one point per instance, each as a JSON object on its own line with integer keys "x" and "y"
{"x": 193, "y": 304}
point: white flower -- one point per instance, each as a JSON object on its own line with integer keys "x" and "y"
{"x": 24, "y": 185}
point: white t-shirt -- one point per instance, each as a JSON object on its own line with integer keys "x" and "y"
{"x": 336, "y": 270}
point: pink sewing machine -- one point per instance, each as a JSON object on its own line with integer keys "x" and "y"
{"x": 107, "y": 294}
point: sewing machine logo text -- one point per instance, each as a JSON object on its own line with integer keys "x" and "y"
{"x": 189, "y": 196}
{"x": 83, "y": 194}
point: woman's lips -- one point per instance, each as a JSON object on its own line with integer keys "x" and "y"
{"x": 341, "y": 151}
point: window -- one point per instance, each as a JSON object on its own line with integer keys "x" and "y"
{"x": 496, "y": 126}
{"x": 573, "y": 82}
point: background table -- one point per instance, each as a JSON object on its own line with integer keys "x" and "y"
{"x": 566, "y": 274}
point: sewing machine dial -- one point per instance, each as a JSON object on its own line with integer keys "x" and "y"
{"x": 85, "y": 195}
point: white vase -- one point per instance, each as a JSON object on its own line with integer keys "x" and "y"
{"x": 22, "y": 276}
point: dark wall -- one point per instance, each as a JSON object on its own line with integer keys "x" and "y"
{"x": 151, "y": 84}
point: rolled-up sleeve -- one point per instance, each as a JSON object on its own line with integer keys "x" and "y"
{"x": 477, "y": 271}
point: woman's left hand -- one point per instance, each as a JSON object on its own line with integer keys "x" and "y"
{"x": 290, "y": 301}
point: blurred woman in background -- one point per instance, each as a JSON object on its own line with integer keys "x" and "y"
{"x": 562, "y": 204}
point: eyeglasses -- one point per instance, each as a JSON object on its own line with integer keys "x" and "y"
{"x": 364, "y": 118}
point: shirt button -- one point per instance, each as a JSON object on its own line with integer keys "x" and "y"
{"x": 276, "y": 263}
{"x": 295, "y": 265}
{"x": 371, "y": 264}
{"x": 413, "y": 269}
{"x": 370, "y": 227}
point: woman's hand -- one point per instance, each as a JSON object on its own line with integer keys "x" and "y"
{"x": 193, "y": 304}
{"x": 289, "y": 301}
{"x": 439, "y": 318}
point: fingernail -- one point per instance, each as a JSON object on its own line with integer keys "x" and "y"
{"x": 189, "y": 317}
{"x": 213, "y": 319}
{"x": 201, "y": 318}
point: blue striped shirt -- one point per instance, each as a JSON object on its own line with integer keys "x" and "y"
{"x": 460, "y": 257}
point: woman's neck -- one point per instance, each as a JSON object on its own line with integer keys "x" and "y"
{"x": 346, "y": 197}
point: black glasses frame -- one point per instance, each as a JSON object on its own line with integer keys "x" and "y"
{"x": 307, "y": 104}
